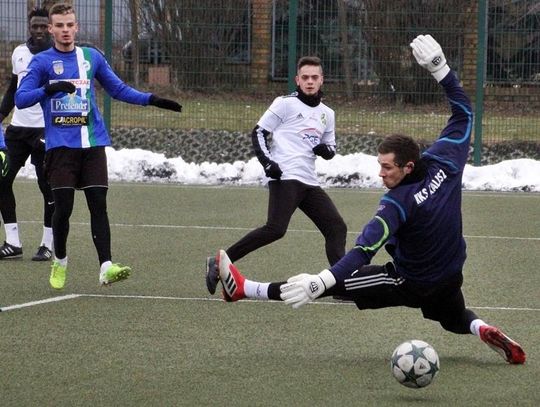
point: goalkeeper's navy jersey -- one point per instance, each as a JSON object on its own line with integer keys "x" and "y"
{"x": 73, "y": 120}
{"x": 421, "y": 221}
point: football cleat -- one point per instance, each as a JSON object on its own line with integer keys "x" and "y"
{"x": 8, "y": 251}
{"x": 57, "y": 280}
{"x": 43, "y": 254}
{"x": 231, "y": 279}
{"x": 212, "y": 274}
{"x": 509, "y": 349}
{"x": 115, "y": 272}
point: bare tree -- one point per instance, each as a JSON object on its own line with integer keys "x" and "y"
{"x": 389, "y": 27}
{"x": 344, "y": 47}
{"x": 134, "y": 11}
{"x": 202, "y": 35}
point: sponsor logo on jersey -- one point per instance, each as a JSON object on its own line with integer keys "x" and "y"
{"x": 86, "y": 65}
{"x": 432, "y": 187}
{"x": 71, "y": 103}
{"x": 79, "y": 83}
{"x": 323, "y": 119}
{"x": 312, "y": 135}
{"x": 58, "y": 67}
{"x": 70, "y": 120}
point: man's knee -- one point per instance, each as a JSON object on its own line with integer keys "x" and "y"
{"x": 336, "y": 229}
{"x": 275, "y": 232}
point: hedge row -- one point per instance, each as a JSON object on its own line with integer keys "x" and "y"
{"x": 222, "y": 146}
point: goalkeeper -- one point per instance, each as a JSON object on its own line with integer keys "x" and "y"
{"x": 419, "y": 222}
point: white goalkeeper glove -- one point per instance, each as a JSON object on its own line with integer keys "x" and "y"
{"x": 304, "y": 288}
{"x": 429, "y": 55}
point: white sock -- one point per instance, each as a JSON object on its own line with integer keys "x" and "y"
{"x": 254, "y": 289}
{"x": 475, "y": 326}
{"x": 47, "y": 238}
{"x": 63, "y": 262}
{"x": 12, "y": 234}
{"x": 105, "y": 266}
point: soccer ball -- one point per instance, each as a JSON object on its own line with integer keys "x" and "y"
{"x": 415, "y": 363}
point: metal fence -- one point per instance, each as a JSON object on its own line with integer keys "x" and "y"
{"x": 226, "y": 59}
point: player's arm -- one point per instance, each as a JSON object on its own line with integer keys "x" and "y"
{"x": 119, "y": 90}
{"x": 390, "y": 215}
{"x": 8, "y": 101}
{"x": 268, "y": 122}
{"x": 259, "y": 140}
{"x": 34, "y": 86}
{"x": 4, "y": 161}
{"x": 375, "y": 233}
{"x": 31, "y": 90}
{"x": 304, "y": 288}
{"x": 452, "y": 146}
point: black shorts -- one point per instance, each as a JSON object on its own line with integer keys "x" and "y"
{"x": 24, "y": 142}
{"x": 77, "y": 168}
{"x": 374, "y": 287}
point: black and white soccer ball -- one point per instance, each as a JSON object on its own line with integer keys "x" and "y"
{"x": 415, "y": 363}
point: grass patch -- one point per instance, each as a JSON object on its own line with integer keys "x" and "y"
{"x": 422, "y": 123}
{"x": 160, "y": 339}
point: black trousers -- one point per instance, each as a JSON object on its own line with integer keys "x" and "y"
{"x": 24, "y": 142}
{"x": 285, "y": 197}
{"x": 374, "y": 287}
{"x": 96, "y": 199}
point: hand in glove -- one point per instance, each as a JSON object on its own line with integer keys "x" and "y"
{"x": 165, "y": 103}
{"x": 429, "y": 55}
{"x": 61, "y": 86}
{"x": 304, "y": 288}
{"x": 324, "y": 150}
{"x": 4, "y": 164}
{"x": 272, "y": 170}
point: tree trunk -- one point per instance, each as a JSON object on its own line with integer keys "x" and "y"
{"x": 344, "y": 48}
{"x": 133, "y": 10}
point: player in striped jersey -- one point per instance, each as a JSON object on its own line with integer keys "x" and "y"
{"x": 62, "y": 80}
{"x": 418, "y": 219}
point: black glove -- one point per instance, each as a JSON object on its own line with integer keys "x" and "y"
{"x": 4, "y": 163}
{"x": 272, "y": 170}
{"x": 62, "y": 86}
{"x": 324, "y": 150}
{"x": 164, "y": 103}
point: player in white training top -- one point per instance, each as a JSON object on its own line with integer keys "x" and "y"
{"x": 302, "y": 128}
{"x": 24, "y": 138}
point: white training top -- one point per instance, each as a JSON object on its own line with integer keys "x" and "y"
{"x": 31, "y": 116}
{"x": 297, "y": 128}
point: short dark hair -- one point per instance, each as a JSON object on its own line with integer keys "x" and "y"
{"x": 38, "y": 12}
{"x": 61, "y": 8}
{"x": 405, "y": 148}
{"x": 309, "y": 60}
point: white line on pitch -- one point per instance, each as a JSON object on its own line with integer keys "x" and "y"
{"x": 159, "y": 297}
{"x": 39, "y": 302}
{"x": 152, "y": 297}
{"x": 202, "y": 227}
